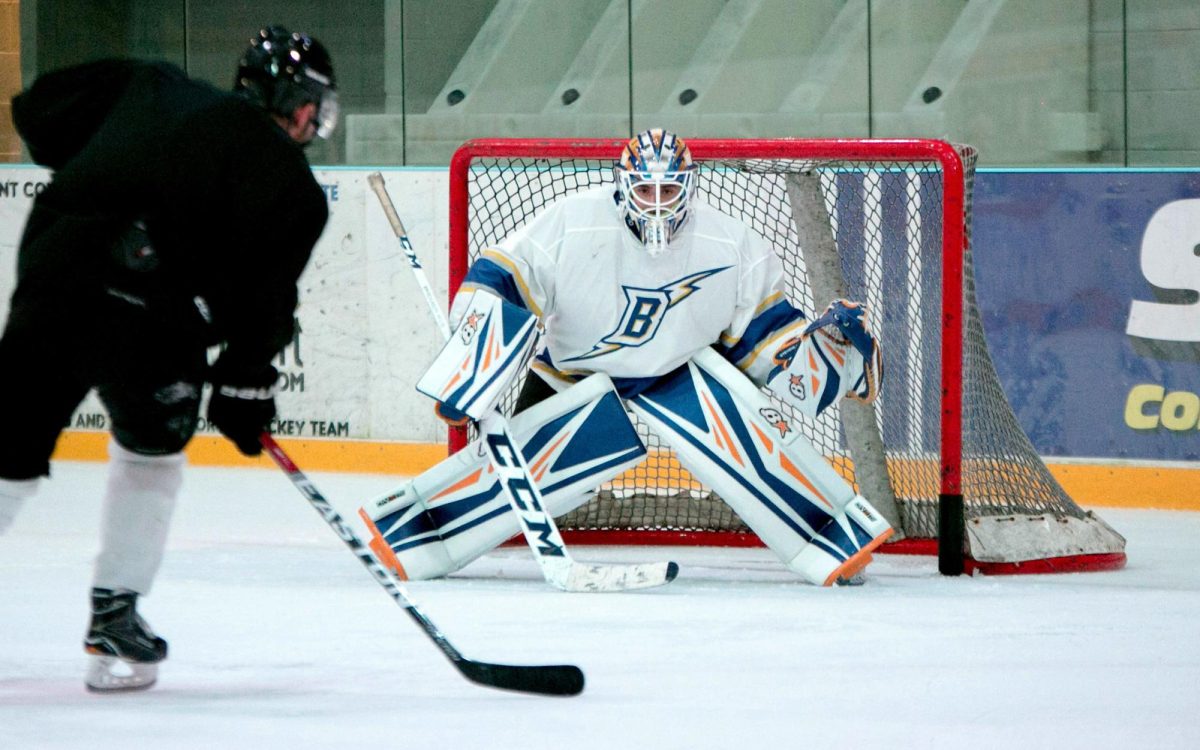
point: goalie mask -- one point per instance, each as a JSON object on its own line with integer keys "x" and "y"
{"x": 281, "y": 71}
{"x": 655, "y": 178}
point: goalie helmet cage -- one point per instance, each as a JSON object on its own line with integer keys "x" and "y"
{"x": 882, "y": 221}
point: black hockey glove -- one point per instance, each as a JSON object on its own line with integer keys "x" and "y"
{"x": 242, "y": 403}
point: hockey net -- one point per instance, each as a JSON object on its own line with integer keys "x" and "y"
{"x": 885, "y": 222}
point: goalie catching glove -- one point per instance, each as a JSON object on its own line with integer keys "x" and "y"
{"x": 242, "y": 403}
{"x": 835, "y": 356}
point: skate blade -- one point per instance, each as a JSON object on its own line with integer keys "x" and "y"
{"x": 109, "y": 674}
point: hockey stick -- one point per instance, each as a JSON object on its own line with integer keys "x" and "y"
{"x": 559, "y": 679}
{"x": 375, "y": 180}
{"x": 542, "y": 534}
{"x": 537, "y": 525}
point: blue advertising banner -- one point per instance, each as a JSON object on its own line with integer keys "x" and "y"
{"x": 1089, "y": 286}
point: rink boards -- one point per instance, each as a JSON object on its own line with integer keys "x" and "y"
{"x": 1087, "y": 280}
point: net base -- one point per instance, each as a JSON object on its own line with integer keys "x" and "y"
{"x": 1084, "y": 563}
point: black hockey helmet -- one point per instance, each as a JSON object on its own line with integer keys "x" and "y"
{"x": 282, "y": 70}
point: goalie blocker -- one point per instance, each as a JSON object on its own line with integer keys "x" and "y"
{"x": 480, "y": 358}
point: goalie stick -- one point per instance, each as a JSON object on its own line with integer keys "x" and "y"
{"x": 537, "y": 525}
{"x": 558, "y": 679}
{"x": 375, "y": 180}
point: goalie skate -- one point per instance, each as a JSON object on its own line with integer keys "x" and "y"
{"x": 125, "y": 652}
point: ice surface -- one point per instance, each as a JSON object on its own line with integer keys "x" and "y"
{"x": 280, "y": 639}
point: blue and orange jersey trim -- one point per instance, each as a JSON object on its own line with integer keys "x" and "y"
{"x": 497, "y": 273}
{"x": 774, "y": 321}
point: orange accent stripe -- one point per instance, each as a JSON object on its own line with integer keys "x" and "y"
{"x": 763, "y": 437}
{"x": 840, "y": 359}
{"x": 790, "y": 468}
{"x": 472, "y": 479}
{"x": 507, "y": 263}
{"x": 450, "y": 385}
{"x": 816, "y": 383}
{"x": 380, "y": 547}
{"x": 858, "y": 560}
{"x": 724, "y": 432}
{"x": 536, "y": 469}
{"x": 768, "y": 302}
{"x": 466, "y": 365}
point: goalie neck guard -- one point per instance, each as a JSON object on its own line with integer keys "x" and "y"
{"x": 655, "y": 179}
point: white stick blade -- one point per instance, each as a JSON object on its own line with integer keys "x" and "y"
{"x": 607, "y": 578}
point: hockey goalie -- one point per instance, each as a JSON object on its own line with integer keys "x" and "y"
{"x": 654, "y": 302}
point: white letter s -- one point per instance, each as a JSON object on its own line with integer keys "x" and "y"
{"x": 1170, "y": 261}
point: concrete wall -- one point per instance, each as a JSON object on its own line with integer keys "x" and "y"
{"x": 1164, "y": 81}
{"x": 1030, "y": 82}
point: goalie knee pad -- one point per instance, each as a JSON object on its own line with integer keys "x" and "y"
{"x": 729, "y": 436}
{"x": 836, "y": 356}
{"x": 456, "y": 511}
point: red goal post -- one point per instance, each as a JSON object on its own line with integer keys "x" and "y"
{"x": 886, "y": 221}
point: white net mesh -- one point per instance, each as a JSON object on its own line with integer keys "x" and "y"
{"x": 868, "y": 230}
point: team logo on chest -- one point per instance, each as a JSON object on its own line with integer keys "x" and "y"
{"x": 645, "y": 310}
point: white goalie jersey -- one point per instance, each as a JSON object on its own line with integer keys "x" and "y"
{"x": 608, "y": 306}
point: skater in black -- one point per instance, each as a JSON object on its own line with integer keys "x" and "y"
{"x": 179, "y": 218}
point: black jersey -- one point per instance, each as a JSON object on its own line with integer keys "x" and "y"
{"x": 227, "y": 199}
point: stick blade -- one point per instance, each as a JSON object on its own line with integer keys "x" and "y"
{"x": 607, "y": 578}
{"x": 556, "y": 679}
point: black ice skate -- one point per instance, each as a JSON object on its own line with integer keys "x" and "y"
{"x": 125, "y": 652}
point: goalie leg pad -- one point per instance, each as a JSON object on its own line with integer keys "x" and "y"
{"x": 836, "y": 356}
{"x": 727, "y": 433}
{"x": 411, "y": 531}
{"x": 858, "y": 520}
{"x": 455, "y": 512}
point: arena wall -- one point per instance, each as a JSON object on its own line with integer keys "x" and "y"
{"x": 1088, "y": 281}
